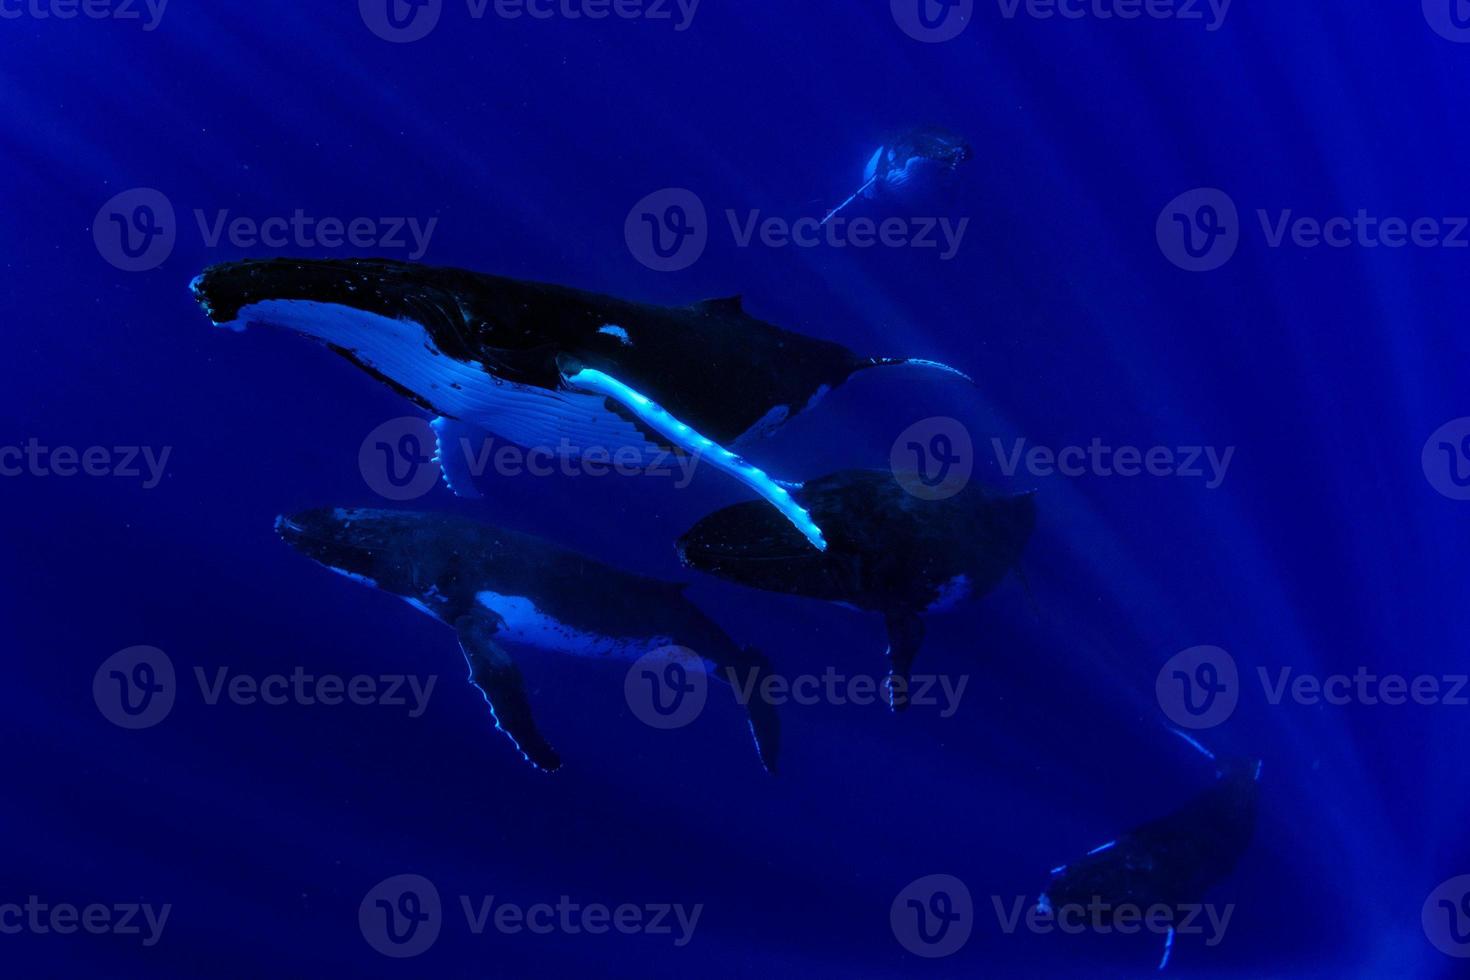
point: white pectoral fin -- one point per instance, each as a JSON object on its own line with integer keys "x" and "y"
{"x": 681, "y": 435}
{"x": 871, "y": 170}
{"x": 455, "y": 445}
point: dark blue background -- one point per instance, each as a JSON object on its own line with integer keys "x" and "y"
{"x": 1325, "y": 549}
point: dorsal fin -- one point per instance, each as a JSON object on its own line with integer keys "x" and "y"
{"x": 727, "y": 304}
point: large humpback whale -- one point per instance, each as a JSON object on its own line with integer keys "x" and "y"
{"x": 889, "y": 552}
{"x": 504, "y": 592}
{"x": 539, "y": 364}
{"x": 1172, "y": 861}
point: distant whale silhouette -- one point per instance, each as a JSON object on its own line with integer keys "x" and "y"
{"x": 909, "y": 159}
{"x": 539, "y": 364}
{"x": 890, "y": 552}
{"x": 502, "y": 591}
{"x": 1172, "y": 861}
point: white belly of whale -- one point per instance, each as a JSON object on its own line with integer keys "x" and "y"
{"x": 525, "y": 624}
{"x": 401, "y": 350}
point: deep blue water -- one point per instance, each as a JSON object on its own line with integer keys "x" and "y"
{"x": 1326, "y": 548}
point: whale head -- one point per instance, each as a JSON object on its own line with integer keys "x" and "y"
{"x": 374, "y": 547}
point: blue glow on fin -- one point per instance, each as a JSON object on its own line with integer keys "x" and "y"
{"x": 1168, "y": 948}
{"x": 452, "y": 442}
{"x": 871, "y": 170}
{"x": 1192, "y": 741}
{"x": 686, "y": 438}
{"x": 1102, "y": 847}
{"x": 613, "y": 330}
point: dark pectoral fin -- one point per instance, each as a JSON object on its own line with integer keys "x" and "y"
{"x": 747, "y": 676}
{"x": 905, "y": 636}
{"x": 499, "y": 679}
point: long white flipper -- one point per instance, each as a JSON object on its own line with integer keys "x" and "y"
{"x": 855, "y": 195}
{"x": 690, "y": 441}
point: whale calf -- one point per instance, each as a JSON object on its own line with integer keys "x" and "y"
{"x": 889, "y": 552}
{"x": 909, "y": 159}
{"x": 1172, "y": 861}
{"x": 541, "y": 364}
{"x": 504, "y": 593}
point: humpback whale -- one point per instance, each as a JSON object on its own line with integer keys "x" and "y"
{"x": 889, "y": 552}
{"x": 908, "y": 159}
{"x": 541, "y": 364}
{"x": 1172, "y": 861}
{"x": 504, "y": 592}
